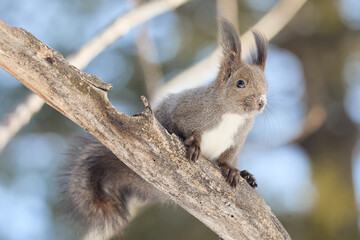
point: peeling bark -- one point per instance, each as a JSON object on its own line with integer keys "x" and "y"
{"x": 139, "y": 141}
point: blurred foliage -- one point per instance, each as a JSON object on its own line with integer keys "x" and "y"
{"x": 178, "y": 224}
{"x": 323, "y": 51}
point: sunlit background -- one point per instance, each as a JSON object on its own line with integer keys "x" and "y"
{"x": 309, "y": 176}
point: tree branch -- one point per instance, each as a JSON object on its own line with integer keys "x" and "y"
{"x": 120, "y": 27}
{"x": 139, "y": 141}
{"x": 33, "y": 104}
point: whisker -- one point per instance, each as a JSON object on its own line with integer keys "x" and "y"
{"x": 271, "y": 126}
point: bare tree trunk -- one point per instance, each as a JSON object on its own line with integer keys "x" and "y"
{"x": 139, "y": 141}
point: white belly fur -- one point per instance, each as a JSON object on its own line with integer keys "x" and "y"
{"x": 215, "y": 141}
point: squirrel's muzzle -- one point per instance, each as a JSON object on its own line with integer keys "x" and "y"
{"x": 261, "y": 102}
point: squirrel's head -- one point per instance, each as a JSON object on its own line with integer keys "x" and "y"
{"x": 242, "y": 84}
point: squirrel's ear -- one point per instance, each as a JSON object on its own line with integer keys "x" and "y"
{"x": 229, "y": 38}
{"x": 230, "y": 43}
{"x": 259, "y": 58}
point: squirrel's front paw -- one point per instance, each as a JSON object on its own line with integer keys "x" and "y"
{"x": 249, "y": 178}
{"x": 193, "y": 151}
{"x": 233, "y": 175}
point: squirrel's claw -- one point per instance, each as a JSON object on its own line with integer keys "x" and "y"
{"x": 232, "y": 175}
{"x": 249, "y": 178}
{"x": 193, "y": 151}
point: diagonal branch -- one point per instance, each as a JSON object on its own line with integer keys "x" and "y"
{"x": 139, "y": 141}
{"x": 33, "y": 104}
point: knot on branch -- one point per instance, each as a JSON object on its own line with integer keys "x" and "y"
{"x": 98, "y": 83}
{"x": 147, "y": 105}
{"x": 148, "y": 113}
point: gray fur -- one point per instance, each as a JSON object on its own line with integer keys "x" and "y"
{"x": 229, "y": 38}
{"x": 259, "y": 56}
{"x": 96, "y": 186}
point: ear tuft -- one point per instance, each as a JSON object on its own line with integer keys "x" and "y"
{"x": 229, "y": 38}
{"x": 259, "y": 57}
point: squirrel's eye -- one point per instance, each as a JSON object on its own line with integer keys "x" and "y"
{"x": 240, "y": 84}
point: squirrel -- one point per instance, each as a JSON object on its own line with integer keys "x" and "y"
{"x": 212, "y": 120}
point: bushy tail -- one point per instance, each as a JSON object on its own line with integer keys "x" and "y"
{"x": 96, "y": 188}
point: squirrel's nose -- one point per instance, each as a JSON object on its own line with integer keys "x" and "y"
{"x": 262, "y": 101}
{"x": 260, "y": 104}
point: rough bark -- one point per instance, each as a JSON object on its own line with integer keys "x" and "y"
{"x": 139, "y": 141}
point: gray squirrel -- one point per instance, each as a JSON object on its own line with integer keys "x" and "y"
{"x": 212, "y": 120}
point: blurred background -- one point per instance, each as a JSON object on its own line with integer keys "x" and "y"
{"x": 304, "y": 150}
